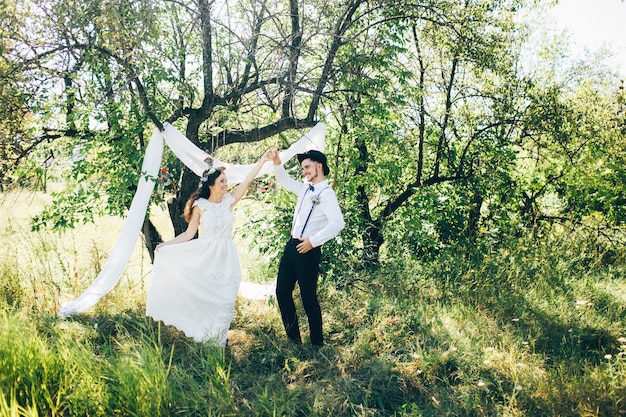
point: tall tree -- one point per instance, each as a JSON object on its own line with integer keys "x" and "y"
{"x": 424, "y": 107}
{"x": 434, "y": 116}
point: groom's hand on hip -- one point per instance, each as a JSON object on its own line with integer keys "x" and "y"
{"x": 304, "y": 246}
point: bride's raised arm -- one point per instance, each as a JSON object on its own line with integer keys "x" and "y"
{"x": 241, "y": 189}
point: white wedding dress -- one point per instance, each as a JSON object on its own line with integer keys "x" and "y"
{"x": 194, "y": 284}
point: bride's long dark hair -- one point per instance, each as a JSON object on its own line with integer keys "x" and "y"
{"x": 203, "y": 192}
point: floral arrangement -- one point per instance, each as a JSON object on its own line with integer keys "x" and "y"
{"x": 210, "y": 169}
{"x": 164, "y": 181}
{"x": 315, "y": 200}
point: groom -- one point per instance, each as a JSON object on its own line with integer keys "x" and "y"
{"x": 317, "y": 218}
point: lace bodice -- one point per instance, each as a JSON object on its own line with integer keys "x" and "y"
{"x": 216, "y": 220}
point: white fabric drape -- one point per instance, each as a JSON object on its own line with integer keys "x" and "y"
{"x": 193, "y": 157}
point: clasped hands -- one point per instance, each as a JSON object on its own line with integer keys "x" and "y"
{"x": 272, "y": 155}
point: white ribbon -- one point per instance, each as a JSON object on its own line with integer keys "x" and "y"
{"x": 193, "y": 157}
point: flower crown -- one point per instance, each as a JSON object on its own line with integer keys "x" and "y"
{"x": 210, "y": 169}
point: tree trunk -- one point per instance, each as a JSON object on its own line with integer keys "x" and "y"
{"x": 372, "y": 233}
{"x": 474, "y": 216}
{"x": 151, "y": 236}
{"x": 373, "y": 239}
{"x": 176, "y": 205}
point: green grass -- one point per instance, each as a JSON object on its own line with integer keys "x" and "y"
{"x": 529, "y": 329}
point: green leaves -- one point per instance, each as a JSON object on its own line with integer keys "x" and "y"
{"x": 434, "y": 132}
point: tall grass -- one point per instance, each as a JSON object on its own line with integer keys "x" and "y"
{"x": 526, "y": 329}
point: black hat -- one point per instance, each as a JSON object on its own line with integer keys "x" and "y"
{"x": 316, "y": 156}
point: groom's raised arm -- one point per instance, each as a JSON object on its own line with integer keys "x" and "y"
{"x": 281, "y": 174}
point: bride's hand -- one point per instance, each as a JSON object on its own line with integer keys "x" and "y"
{"x": 273, "y": 155}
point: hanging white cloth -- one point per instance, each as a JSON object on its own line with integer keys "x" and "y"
{"x": 193, "y": 157}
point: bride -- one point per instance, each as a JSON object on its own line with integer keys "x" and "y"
{"x": 195, "y": 282}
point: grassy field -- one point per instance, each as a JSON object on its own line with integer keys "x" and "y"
{"x": 530, "y": 329}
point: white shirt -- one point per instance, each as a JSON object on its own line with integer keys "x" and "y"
{"x": 325, "y": 220}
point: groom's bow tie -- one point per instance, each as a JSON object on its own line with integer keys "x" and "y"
{"x": 311, "y": 188}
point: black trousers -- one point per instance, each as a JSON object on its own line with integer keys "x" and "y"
{"x": 303, "y": 269}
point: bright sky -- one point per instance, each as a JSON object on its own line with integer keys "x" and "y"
{"x": 595, "y": 24}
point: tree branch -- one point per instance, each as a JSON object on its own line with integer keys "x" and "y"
{"x": 207, "y": 57}
{"x": 294, "y": 54}
{"x": 342, "y": 25}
